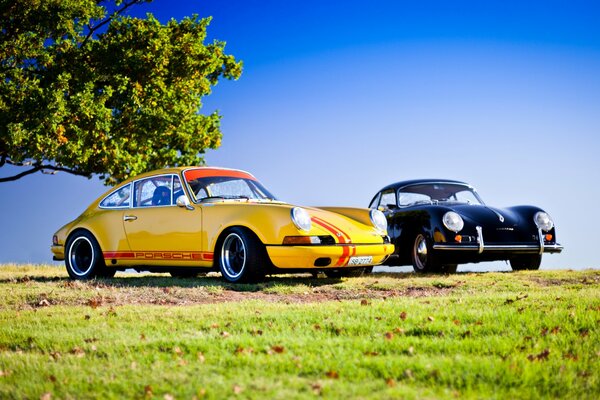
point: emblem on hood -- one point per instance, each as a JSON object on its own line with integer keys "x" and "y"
{"x": 500, "y": 217}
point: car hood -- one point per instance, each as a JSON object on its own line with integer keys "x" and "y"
{"x": 489, "y": 216}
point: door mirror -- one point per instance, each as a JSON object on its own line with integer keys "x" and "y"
{"x": 182, "y": 201}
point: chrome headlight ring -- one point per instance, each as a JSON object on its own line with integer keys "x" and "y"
{"x": 453, "y": 221}
{"x": 378, "y": 220}
{"x": 543, "y": 221}
{"x": 301, "y": 218}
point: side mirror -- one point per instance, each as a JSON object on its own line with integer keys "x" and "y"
{"x": 183, "y": 201}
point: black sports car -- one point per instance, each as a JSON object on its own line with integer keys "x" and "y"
{"x": 437, "y": 224}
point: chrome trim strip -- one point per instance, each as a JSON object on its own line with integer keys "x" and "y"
{"x": 480, "y": 238}
{"x": 541, "y": 239}
{"x": 552, "y": 248}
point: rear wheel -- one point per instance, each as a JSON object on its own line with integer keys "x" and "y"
{"x": 242, "y": 257}
{"x": 526, "y": 262}
{"x": 84, "y": 258}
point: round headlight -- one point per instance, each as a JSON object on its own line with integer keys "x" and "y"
{"x": 301, "y": 219}
{"x": 453, "y": 221}
{"x": 543, "y": 221}
{"x": 378, "y": 219}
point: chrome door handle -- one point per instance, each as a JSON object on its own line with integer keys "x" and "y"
{"x": 129, "y": 218}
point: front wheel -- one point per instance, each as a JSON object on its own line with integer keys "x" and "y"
{"x": 242, "y": 256}
{"x": 84, "y": 258}
{"x": 526, "y": 262}
{"x": 423, "y": 259}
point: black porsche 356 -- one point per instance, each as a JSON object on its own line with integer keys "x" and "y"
{"x": 437, "y": 224}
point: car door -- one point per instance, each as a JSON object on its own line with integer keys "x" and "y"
{"x": 157, "y": 229}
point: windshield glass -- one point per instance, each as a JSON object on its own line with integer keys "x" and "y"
{"x": 227, "y": 187}
{"x": 434, "y": 193}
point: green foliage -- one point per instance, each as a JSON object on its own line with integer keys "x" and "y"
{"x": 517, "y": 335}
{"x": 89, "y": 91}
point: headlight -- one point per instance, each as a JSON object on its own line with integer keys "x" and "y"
{"x": 301, "y": 219}
{"x": 543, "y": 221}
{"x": 453, "y": 221}
{"x": 378, "y": 219}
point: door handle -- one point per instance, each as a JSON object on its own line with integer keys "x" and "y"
{"x": 129, "y": 218}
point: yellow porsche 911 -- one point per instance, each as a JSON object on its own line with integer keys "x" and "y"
{"x": 189, "y": 220}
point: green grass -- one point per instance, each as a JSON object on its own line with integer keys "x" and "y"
{"x": 472, "y": 335}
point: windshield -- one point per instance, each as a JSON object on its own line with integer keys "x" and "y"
{"x": 434, "y": 193}
{"x": 228, "y": 187}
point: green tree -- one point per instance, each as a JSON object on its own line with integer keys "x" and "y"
{"x": 87, "y": 89}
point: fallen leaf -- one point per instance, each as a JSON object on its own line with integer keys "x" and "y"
{"x": 364, "y": 302}
{"x": 456, "y": 322}
{"x": 86, "y": 317}
{"x": 430, "y": 319}
{"x": 583, "y": 332}
{"x": 316, "y": 388}
{"x": 371, "y": 353}
{"x": 399, "y": 331}
{"x": 555, "y": 330}
{"x": 142, "y": 336}
{"x": 544, "y": 331}
{"x": 177, "y": 351}
{"x": 332, "y": 374}
{"x": 278, "y": 349}
{"x": 225, "y": 334}
{"x": 51, "y": 378}
{"x": 55, "y": 355}
{"x": 408, "y": 374}
{"x": 214, "y": 326}
{"x": 390, "y": 382}
{"x": 148, "y": 391}
{"x": 237, "y": 389}
{"x": 539, "y": 357}
{"x": 168, "y": 396}
{"x": 44, "y": 303}
{"x": 388, "y": 335}
{"x": 78, "y": 352}
{"x": 317, "y": 327}
{"x": 403, "y": 315}
{"x": 94, "y": 302}
{"x": 46, "y": 396}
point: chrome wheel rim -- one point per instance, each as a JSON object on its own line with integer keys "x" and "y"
{"x": 420, "y": 252}
{"x": 81, "y": 256}
{"x": 233, "y": 256}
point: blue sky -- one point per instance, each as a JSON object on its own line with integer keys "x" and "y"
{"x": 338, "y": 99}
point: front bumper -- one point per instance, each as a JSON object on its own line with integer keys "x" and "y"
{"x": 335, "y": 256}
{"x": 481, "y": 247}
{"x": 58, "y": 252}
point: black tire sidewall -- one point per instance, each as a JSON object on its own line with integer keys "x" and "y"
{"x": 254, "y": 256}
{"x": 97, "y": 263}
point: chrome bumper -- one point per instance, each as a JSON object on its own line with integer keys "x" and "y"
{"x": 480, "y": 246}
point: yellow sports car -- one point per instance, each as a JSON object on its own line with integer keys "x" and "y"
{"x": 188, "y": 220}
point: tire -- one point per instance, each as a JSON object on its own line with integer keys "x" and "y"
{"x": 84, "y": 259}
{"x": 344, "y": 273}
{"x": 526, "y": 262}
{"x": 422, "y": 257}
{"x": 242, "y": 256}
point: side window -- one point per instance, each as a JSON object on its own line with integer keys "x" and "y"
{"x": 388, "y": 199}
{"x": 118, "y": 199}
{"x": 154, "y": 191}
{"x": 375, "y": 201}
{"x": 177, "y": 189}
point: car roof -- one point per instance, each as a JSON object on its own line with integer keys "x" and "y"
{"x": 411, "y": 182}
{"x": 176, "y": 170}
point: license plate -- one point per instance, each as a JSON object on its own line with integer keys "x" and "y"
{"x": 364, "y": 260}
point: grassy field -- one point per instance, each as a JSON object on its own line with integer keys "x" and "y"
{"x": 471, "y": 335}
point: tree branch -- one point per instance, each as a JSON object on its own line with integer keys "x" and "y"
{"x": 93, "y": 29}
{"x": 38, "y": 167}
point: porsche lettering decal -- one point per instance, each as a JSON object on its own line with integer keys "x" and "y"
{"x": 159, "y": 255}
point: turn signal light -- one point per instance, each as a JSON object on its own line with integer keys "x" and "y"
{"x": 458, "y": 238}
{"x": 548, "y": 237}
{"x": 295, "y": 240}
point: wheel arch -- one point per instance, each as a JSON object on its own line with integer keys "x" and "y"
{"x": 223, "y": 234}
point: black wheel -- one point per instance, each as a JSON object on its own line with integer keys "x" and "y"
{"x": 423, "y": 259}
{"x": 523, "y": 262}
{"x": 242, "y": 256}
{"x": 83, "y": 257}
{"x": 344, "y": 273}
